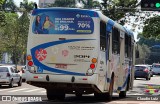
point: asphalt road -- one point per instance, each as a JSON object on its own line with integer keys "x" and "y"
{"x": 141, "y": 87}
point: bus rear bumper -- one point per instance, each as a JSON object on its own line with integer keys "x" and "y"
{"x": 70, "y": 83}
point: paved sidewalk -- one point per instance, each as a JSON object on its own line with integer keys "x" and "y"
{"x": 134, "y": 102}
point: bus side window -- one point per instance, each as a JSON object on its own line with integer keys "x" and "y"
{"x": 115, "y": 41}
{"x": 128, "y": 46}
{"x": 102, "y": 36}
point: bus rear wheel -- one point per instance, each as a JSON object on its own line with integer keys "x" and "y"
{"x": 110, "y": 93}
{"x": 78, "y": 95}
{"x": 122, "y": 94}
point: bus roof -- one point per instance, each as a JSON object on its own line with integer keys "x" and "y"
{"x": 113, "y": 23}
{"x": 90, "y": 12}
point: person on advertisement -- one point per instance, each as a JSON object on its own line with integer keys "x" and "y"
{"x": 46, "y": 25}
{"x": 38, "y": 25}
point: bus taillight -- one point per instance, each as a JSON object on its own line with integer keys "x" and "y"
{"x": 94, "y": 60}
{"x": 29, "y": 57}
{"x": 92, "y": 66}
{"x": 30, "y": 63}
{"x": 91, "y": 70}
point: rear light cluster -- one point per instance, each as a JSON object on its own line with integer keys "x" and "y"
{"x": 91, "y": 70}
{"x": 29, "y": 59}
{"x": 8, "y": 75}
{"x": 22, "y": 71}
{"x": 30, "y": 64}
{"x": 146, "y": 70}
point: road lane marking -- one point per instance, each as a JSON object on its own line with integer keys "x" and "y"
{"x": 33, "y": 90}
{"x": 18, "y": 90}
{"x": 7, "y": 89}
{"x": 42, "y": 92}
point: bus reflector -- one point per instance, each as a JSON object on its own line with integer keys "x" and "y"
{"x": 29, "y": 57}
{"x": 35, "y": 76}
{"x": 84, "y": 79}
{"x": 92, "y": 66}
{"x": 94, "y": 60}
{"x": 30, "y": 63}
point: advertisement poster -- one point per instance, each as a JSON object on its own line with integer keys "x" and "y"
{"x": 53, "y": 22}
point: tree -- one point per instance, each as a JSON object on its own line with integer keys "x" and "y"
{"x": 14, "y": 28}
{"x": 114, "y": 9}
{"x": 90, "y": 4}
{"x": 63, "y": 3}
{"x": 9, "y": 36}
{"x": 26, "y": 6}
{"x": 148, "y": 41}
{"x": 144, "y": 53}
{"x": 25, "y": 9}
{"x": 152, "y": 28}
{"x": 9, "y": 5}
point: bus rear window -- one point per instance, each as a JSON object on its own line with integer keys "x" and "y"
{"x": 3, "y": 69}
{"x": 54, "y": 22}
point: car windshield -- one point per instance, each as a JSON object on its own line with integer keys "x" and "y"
{"x": 3, "y": 69}
{"x": 156, "y": 66}
{"x": 140, "y": 67}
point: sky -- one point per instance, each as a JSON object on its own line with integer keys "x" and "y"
{"x": 18, "y": 1}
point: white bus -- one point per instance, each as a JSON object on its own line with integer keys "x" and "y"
{"x": 77, "y": 51}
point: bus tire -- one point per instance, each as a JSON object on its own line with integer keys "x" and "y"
{"x": 110, "y": 93}
{"x": 122, "y": 94}
{"x": 20, "y": 82}
{"x": 98, "y": 95}
{"x": 60, "y": 96}
{"x": 50, "y": 94}
{"x": 11, "y": 84}
{"x": 78, "y": 95}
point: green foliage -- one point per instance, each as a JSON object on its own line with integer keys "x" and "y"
{"x": 63, "y": 3}
{"x": 144, "y": 52}
{"x": 2, "y": 18}
{"x": 90, "y": 4}
{"x": 9, "y": 6}
{"x": 26, "y": 6}
{"x": 152, "y": 28}
{"x": 148, "y": 41}
{"x": 1, "y": 2}
{"x": 116, "y": 9}
{"x": 13, "y": 35}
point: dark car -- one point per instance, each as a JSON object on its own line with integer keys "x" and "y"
{"x": 142, "y": 71}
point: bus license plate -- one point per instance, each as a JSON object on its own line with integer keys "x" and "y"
{"x": 63, "y": 66}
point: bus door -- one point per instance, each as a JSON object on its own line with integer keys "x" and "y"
{"x": 102, "y": 56}
{"x": 122, "y": 60}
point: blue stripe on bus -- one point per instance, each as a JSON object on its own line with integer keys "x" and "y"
{"x": 109, "y": 25}
{"x": 128, "y": 31}
{"x": 89, "y": 12}
{"x": 108, "y": 80}
{"x": 46, "y": 45}
{"x": 119, "y": 88}
{"x": 125, "y": 83}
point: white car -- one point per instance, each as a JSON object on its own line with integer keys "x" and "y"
{"x": 9, "y": 76}
{"x": 156, "y": 68}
